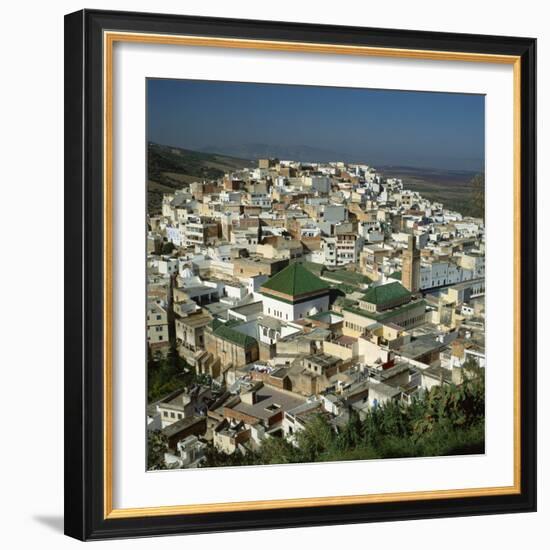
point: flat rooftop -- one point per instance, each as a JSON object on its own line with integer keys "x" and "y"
{"x": 258, "y": 260}
{"x": 323, "y": 360}
{"x": 247, "y": 309}
{"x": 269, "y": 401}
{"x": 420, "y": 346}
{"x": 196, "y": 319}
{"x": 346, "y": 341}
{"x": 438, "y": 373}
{"x": 181, "y": 425}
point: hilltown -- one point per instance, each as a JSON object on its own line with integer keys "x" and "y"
{"x": 291, "y": 290}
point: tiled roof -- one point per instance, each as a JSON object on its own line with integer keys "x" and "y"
{"x": 346, "y": 277}
{"x": 383, "y": 294}
{"x": 227, "y": 332}
{"x": 388, "y": 314}
{"x": 295, "y": 280}
{"x": 316, "y": 269}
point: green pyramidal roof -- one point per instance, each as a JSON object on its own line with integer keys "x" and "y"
{"x": 382, "y": 294}
{"x": 295, "y": 280}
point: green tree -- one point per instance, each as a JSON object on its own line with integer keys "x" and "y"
{"x": 447, "y": 420}
{"x": 351, "y": 435}
{"x": 157, "y": 445}
{"x": 168, "y": 373}
{"x": 277, "y": 450}
{"x": 167, "y": 248}
{"x": 318, "y": 438}
{"x": 218, "y": 459}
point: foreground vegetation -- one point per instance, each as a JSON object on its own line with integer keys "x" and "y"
{"x": 448, "y": 420}
{"x": 169, "y": 373}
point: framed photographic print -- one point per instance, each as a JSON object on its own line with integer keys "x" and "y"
{"x": 300, "y": 274}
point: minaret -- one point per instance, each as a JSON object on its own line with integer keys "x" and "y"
{"x": 411, "y": 266}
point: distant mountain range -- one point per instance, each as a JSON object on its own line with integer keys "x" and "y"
{"x": 301, "y": 153}
{"x": 307, "y": 153}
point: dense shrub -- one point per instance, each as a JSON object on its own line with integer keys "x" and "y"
{"x": 447, "y": 420}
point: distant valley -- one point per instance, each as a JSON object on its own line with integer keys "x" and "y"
{"x": 451, "y": 187}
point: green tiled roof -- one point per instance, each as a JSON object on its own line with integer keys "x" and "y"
{"x": 383, "y": 294}
{"x": 295, "y": 280}
{"x": 316, "y": 269}
{"x": 384, "y": 315}
{"x": 216, "y": 323}
{"x": 322, "y": 314}
{"x": 227, "y": 332}
{"x": 347, "y": 277}
{"x": 396, "y": 275}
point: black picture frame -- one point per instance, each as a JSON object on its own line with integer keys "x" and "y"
{"x": 84, "y": 286}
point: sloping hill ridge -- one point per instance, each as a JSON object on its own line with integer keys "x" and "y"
{"x": 451, "y": 187}
{"x": 168, "y": 168}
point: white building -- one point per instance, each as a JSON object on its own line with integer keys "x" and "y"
{"x": 157, "y": 325}
{"x": 294, "y": 293}
{"x": 168, "y": 266}
{"x": 339, "y": 250}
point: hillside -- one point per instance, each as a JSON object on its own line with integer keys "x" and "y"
{"x": 168, "y": 168}
{"x": 451, "y": 187}
{"x": 171, "y": 167}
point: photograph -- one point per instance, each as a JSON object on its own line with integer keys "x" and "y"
{"x": 278, "y": 249}
{"x": 315, "y": 274}
{"x": 292, "y": 250}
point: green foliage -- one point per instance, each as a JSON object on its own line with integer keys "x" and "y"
{"x": 169, "y": 373}
{"x": 157, "y": 445}
{"x": 316, "y": 440}
{"x": 167, "y": 248}
{"x": 276, "y": 450}
{"x": 218, "y": 459}
{"x": 447, "y": 420}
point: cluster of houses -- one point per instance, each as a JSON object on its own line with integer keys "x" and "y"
{"x": 303, "y": 289}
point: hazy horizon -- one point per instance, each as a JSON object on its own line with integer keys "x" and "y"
{"x": 429, "y": 130}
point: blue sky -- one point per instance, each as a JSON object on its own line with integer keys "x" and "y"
{"x": 380, "y": 127}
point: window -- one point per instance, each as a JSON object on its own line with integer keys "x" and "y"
{"x": 180, "y": 416}
{"x": 165, "y": 414}
{"x": 172, "y": 415}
